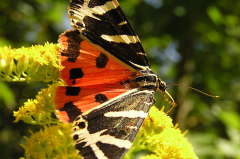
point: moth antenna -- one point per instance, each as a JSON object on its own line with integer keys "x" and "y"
{"x": 182, "y": 85}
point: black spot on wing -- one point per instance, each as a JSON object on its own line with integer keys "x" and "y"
{"x": 100, "y": 98}
{"x": 75, "y": 73}
{"x": 72, "y": 111}
{"x": 94, "y": 3}
{"x": 72, "y": 91}
{"x": 81, "y": 125}
{"x": 75, "y": 137}
{"x": 101, "y": 60}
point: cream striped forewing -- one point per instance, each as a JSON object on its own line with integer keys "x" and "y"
{"x": 107, "y": 131}
{"x": 103, "y": 23}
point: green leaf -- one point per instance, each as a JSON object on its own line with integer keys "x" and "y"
{"x": 7, "y": 95}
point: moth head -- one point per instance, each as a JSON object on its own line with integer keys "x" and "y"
{"x": 162, "y": 86}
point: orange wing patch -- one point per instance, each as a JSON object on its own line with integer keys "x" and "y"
{"x": 92, "y": 78}
{"x": 89, "y": 97}
{"x": 91, "y": 67}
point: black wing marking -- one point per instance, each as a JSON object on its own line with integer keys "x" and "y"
{"x": 107, "y": 132}
{"x": 103, "y": 23}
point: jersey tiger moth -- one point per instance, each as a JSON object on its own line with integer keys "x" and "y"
{"x": 109, "y": 84}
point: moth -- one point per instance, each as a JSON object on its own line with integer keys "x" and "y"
{"x": 109, "y": 84}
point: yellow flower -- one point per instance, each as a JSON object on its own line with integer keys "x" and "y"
{"x": 51, "y": 142}
{"x": 39, "y": 110}
{"x": 158, "y": 138}
{"x": 37, "y": 63}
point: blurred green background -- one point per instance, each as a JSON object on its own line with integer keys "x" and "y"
{"x": 191, "y": 42}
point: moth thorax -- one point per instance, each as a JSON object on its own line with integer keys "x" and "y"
{"x": 145, "y": 81}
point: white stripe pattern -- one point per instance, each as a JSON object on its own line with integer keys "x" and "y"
{"x": 97, "y": 137}
{"x": 86, "y": 11}
{"x": 127, "y": 114}
{"x": 92, "y": 139}
{"x": 105, "y": 8}
{"x": 114, "y": 141}
{"x": 128, "y": 39}
{"x": 139, "y": 66}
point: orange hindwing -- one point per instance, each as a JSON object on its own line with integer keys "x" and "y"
{"x": 91, "y": 77}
